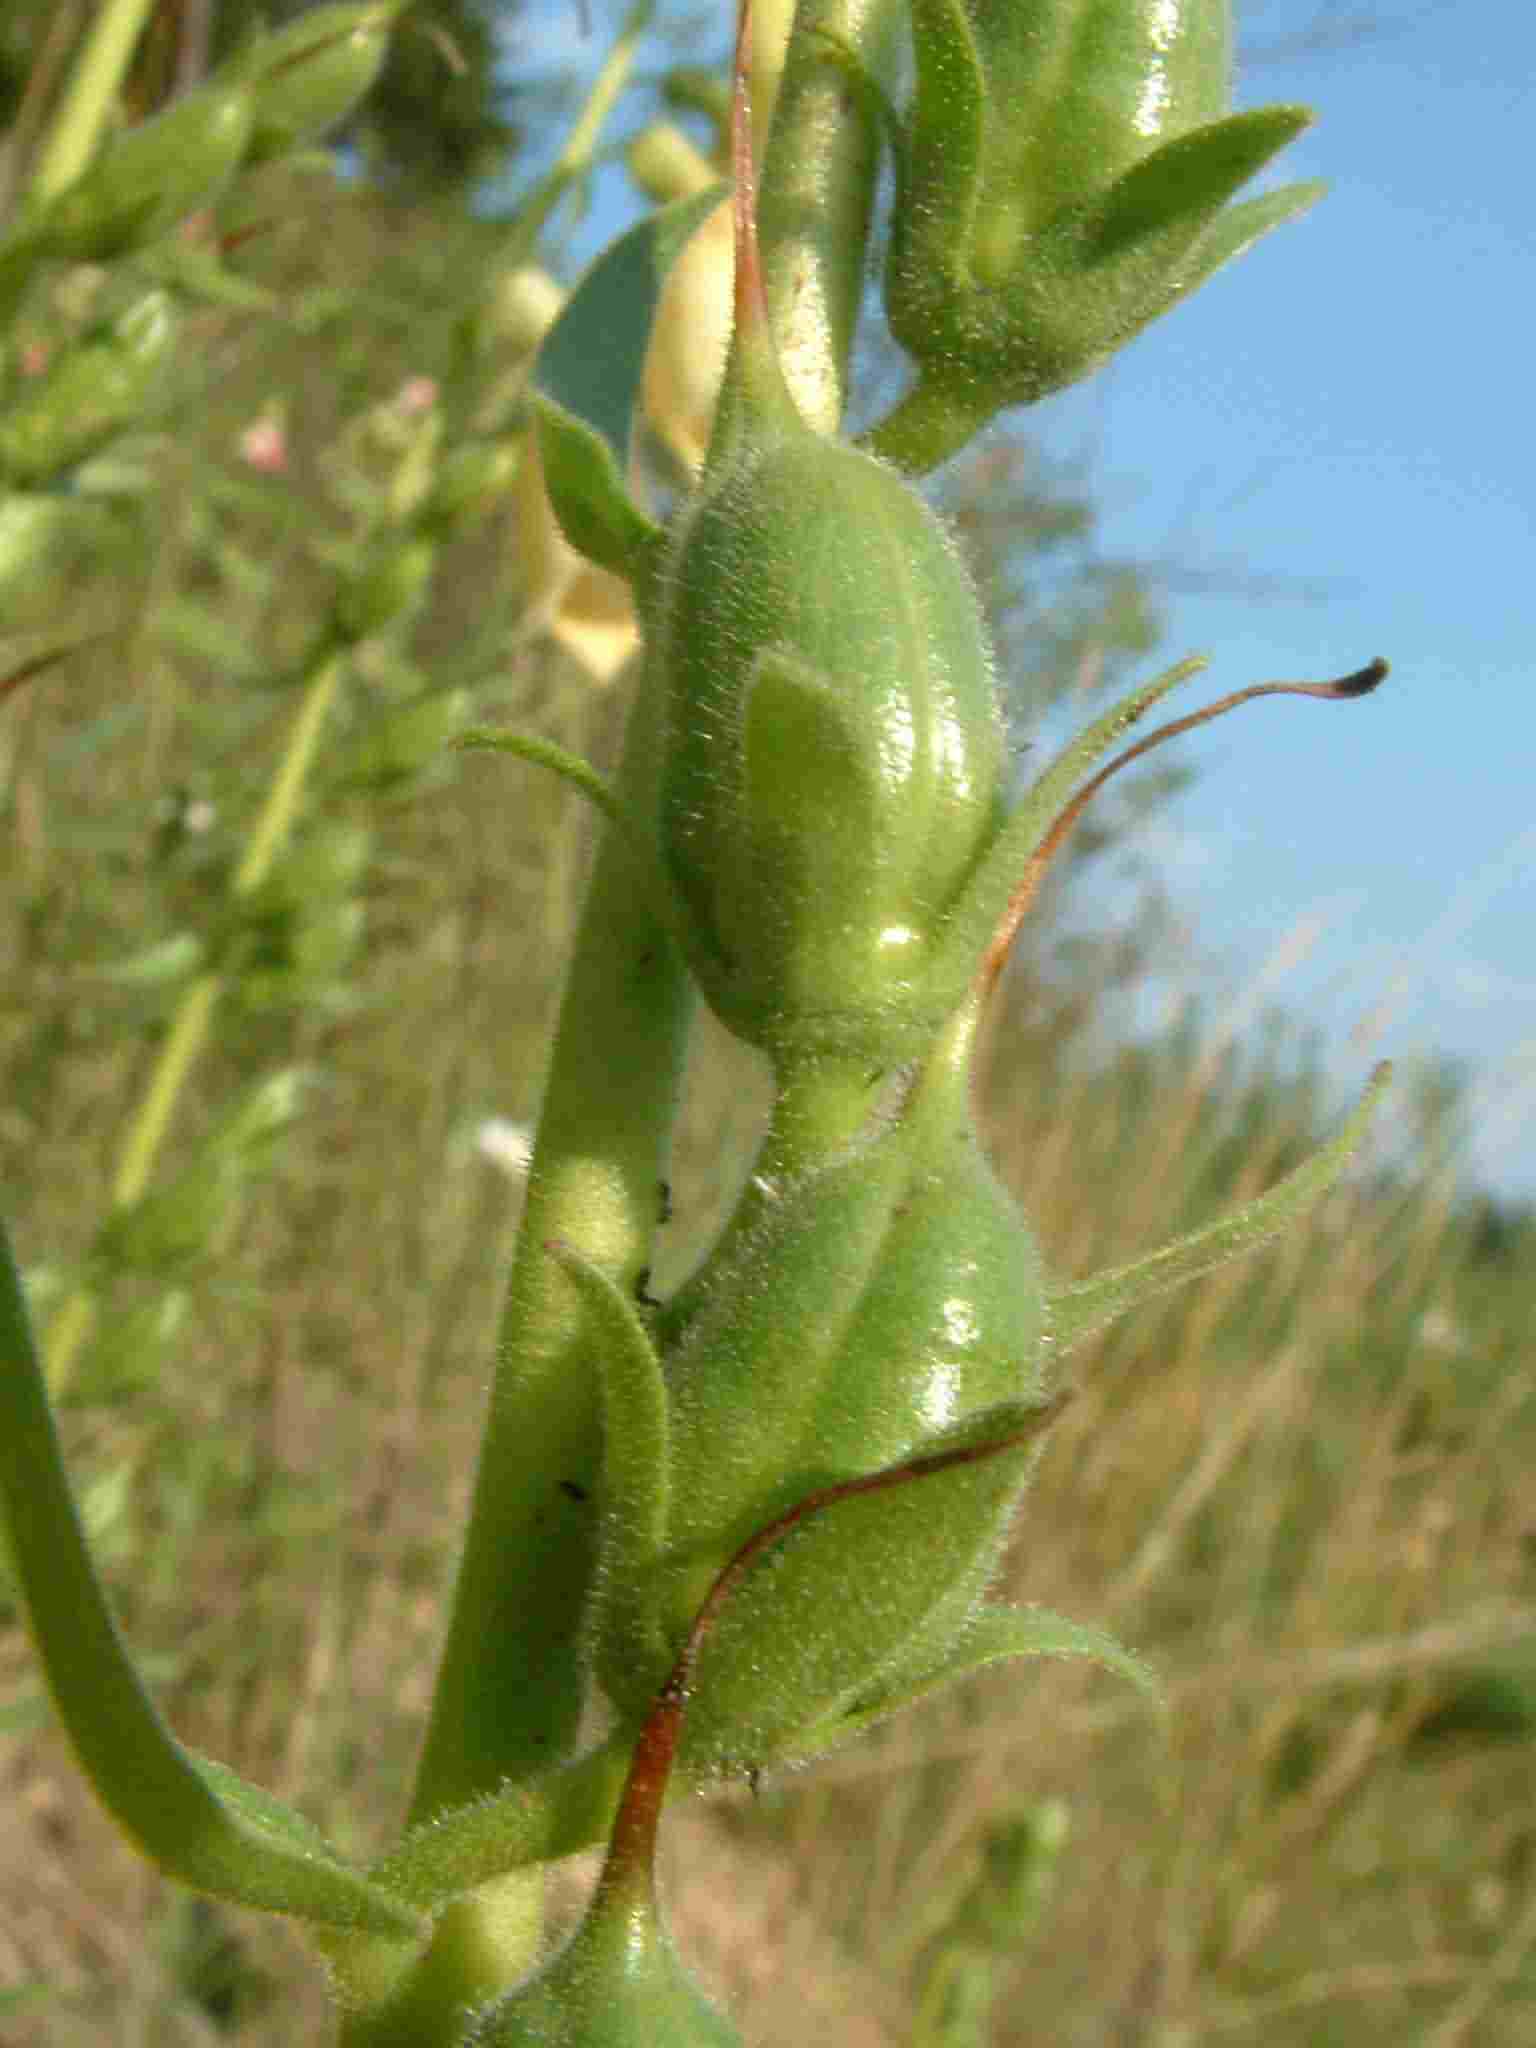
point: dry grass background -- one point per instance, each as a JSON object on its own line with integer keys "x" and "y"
{"x": 1302, "y": 1489}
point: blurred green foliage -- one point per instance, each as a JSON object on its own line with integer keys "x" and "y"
{"x": 435, "y": 123}
{"x": 1303, "y": 1491}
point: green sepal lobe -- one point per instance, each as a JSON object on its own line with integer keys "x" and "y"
{"x": 1081, "y": 1311}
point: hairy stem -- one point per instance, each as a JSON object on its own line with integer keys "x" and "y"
{"x": 512, "y": 1687}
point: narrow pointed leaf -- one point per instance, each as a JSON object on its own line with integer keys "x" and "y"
{"x": 998, "y": 1632}
{"x": 549, "y": 1817}
{"x": 1188, "y": 179}
{"x": 587, "y": 490}
{"x": 587, "y": 384}
{"x": 1080, "y": 1312}
{"x": 164, "y": 1799}
{"x": 1237, "y": 228}
{"x": 636, "y": 1457}
{"x": 571, "y": 768}
{"x": 581, "y": 775}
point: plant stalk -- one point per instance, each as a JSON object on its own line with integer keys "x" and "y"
{"x": 104, "y": 58}
{"x": 513, "y": 1686}
{"x": 188, "y": 1035}
{"x": 816, "y": 199}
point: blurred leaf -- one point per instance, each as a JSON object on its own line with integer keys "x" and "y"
{"x": 168, "y": 960}
{"x": 398, "y": 745}
{"x": 588, "y": 380}
{"x": 197, "y": 631}
{"x": 128, "y": 1353}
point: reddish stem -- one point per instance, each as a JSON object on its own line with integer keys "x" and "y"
{"x": 632, "y": 1846}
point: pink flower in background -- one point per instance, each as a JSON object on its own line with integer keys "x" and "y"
{"x": 264, "y": 445}
{"x": 417, "y": 395}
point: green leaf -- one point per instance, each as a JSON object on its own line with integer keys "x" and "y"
{"x": 571, "y": 768}
{"x": 126, "y": 1355}
{"x": 258, "y": 1807}
{"x": 1000, "y": 1632}
{"x": 1081, "y": 1311}
{"x": 159, "y": 1795}
{"x": 587, "y": 385}
{"x": 581, "y": 775}
{"x": 586, "y": 488}
{"x": 636, "y": 1461}
{"x": 551, "y": 1816}
{"x": 1190, "y": 176}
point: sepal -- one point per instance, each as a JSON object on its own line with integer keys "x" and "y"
{"x": 994, "y": 1634}
{"x": 636, "y": 1466}
{"x": 1081, "y": 1311}
{"x": 1057, "y": 172}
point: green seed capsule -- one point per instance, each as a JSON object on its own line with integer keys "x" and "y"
{"x": 90, "y": 394}
{"x": 1064, "y": 176}
{"x": 889, "y": 1307}
{"x": 834, "y": 765}
{"x": 618, "y": 1984}
{"x": 312, "y": 74}
{"x": 152, "y": 177}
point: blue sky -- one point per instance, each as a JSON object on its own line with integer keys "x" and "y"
{"x": 1332, "y": 448}
{"x": 1348, "y": 406}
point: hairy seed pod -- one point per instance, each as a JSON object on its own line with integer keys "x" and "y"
{"x": 889, "y": 1307}
{"x": 619, "y": 1983}
{"x": 834, "y": 761}
{"x": 152, "y": 177}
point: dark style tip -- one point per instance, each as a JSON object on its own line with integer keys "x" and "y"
{"x": 1363, "y": 681}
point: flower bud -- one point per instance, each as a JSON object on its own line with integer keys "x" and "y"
{"x": 311, "y": 74}
{"x": 1064, "y": 176}
{"x": 834, "y": 758}
{"x": 152, "y": 177}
